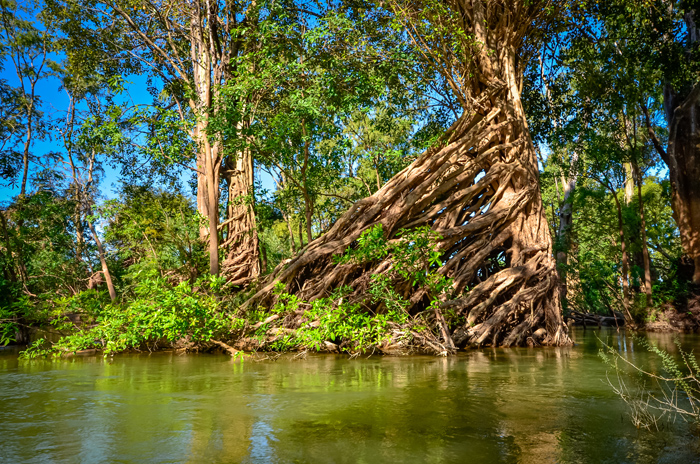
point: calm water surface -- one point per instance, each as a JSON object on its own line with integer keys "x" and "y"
{"x": 486, "y": 406}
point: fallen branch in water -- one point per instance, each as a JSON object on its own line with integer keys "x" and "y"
{"x": 232, "y": 351}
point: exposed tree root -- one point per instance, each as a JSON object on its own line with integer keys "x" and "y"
{"x": 241, "y": 259}
{"x": 478, "y": 188}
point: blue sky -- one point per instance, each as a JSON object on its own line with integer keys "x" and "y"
{"x": 54, "y": 104}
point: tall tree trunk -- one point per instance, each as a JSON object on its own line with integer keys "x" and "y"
{"x": 625, "y": 256}
{"x": 645, "y": 247}
{"x": 292, "y": 244}
{"x": 8, "y": 246}
{"x": 242, "y": 257}
{"x": 478, "y": 188}
{"x": 301, "y": 235}
{"x": 682, "y": 155}
{"x": 103, "y": 262}
{"x": 566, "y": 219}
{"x": 683, "y": 161}
{"x": 212, "y": 183}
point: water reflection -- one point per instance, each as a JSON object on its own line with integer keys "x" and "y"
{"x": 491, "y": 405}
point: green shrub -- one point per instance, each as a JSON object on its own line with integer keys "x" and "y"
{"x": 159, "y": 312}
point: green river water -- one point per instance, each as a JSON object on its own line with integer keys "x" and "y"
{"x": 532, "y": 405}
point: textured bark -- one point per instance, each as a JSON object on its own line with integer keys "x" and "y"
{"x": 682, "y": 155}
{"x": 683, "y": 160}
{"x": 242, "y": 260}
{"x": 479, "y": 189}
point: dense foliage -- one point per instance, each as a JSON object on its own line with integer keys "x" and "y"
{"x": 311, "y": 107}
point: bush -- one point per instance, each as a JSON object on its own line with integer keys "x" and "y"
{"x": 160, "y": 312}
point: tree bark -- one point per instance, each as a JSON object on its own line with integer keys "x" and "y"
{"x": 292, "y": 244}
{"x": 10, "y": 271}
{"x": 566, "y": 219}
{"x": 197, "y": 44}
{"x": 103, "y": 262}
{"x": 242, "y": 259}
{"x": 301, "y": 235}
{"x": 683, "y": 161}
{"x": 478, "y": 188}
{"x": 625, "y": 256}
{"x": 645, "y": 246}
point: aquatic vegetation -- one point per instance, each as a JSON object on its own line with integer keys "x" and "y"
{"x": 656, "y": 396}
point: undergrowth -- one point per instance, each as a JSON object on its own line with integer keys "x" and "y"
{"x": 159, "y": 313}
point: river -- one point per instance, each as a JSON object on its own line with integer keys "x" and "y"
{"x": 535, "y": 405}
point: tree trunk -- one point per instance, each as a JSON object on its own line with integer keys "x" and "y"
{"x": 301, "y": 235}
{"x": 645, "y": 247}
{"x": 566, "y": 219}
{"x": 12, "y": 276}
{"x": 683, "y": 160}
{"x": 625, "y": 257}
{"x": 292, "y": 244}
{"x": 208, "y": 198}
{"x": 478, "y": 188}
{"x": 103, "y": 262}
{"x": 242, "y": 257}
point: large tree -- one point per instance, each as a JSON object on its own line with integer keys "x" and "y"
{"x": 477, "y": 187}
{"x": 191, "y": 51}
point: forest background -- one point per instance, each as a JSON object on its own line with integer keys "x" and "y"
{"x": 238, "y": 137}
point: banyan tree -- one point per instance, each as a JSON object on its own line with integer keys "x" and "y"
{"x": 477, "y": 187}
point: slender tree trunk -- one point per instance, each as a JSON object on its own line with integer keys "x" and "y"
{"x": 625, "y": 257}
{"x": 103, "y": 262}
{"x": 8, "y": 247}
{"x": 645, "y": 247}
{"x": 566, "y": 219}
{"x": 292, "y": 244}
{"x": 213, "y": 204}
{"x": 301, "y": 235}
{"x": 79, "y": 234}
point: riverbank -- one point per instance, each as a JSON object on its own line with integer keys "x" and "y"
{"x": 197, "y": 318}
